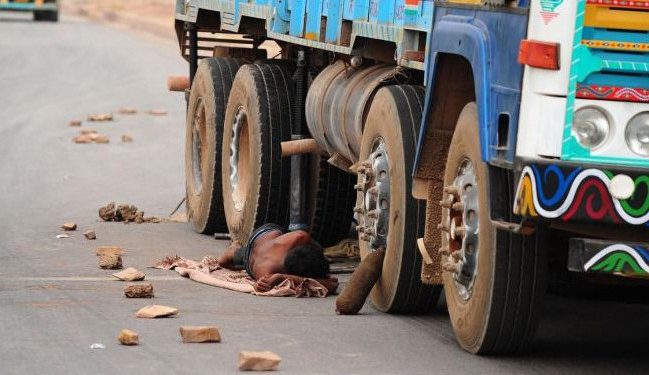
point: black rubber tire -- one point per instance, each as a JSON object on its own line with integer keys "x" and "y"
{"x": 265, "y": 93}
{"x": 46, "y": 15}
{"x": 500, "y": 315}
{"x": 331, "y": 202}
{"x": 395, "y": 117}
{"x": 209, "y": 96}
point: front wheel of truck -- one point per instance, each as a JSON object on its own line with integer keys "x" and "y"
{"x": 494, "y": 280}
{"x": 389, "y": 217}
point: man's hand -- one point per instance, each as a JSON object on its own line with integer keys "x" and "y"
{"x": 267, "y": 283}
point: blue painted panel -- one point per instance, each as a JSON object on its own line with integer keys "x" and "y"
{"x": 386, "y": 11}
{"x": 348, "y": 9}
{"x": 361, "y": 10}
{"x": 314, "y": 13}
{"x": 489, "y": 41}
{"x": 334, "y": 20}
{"x": 298, "y": 12}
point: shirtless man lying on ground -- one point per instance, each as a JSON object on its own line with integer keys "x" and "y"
{"x": 273, "y": 255}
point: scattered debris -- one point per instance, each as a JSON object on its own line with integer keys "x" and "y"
{"x": 97, "y": 346}
{"x": 127, "y": 111}
{"x": 100, "y": 117}
{"x": 258, "y": 361}
{"x": 87, "y": 131}
{"x": 109, "y": 250}
{"x": 81, "y": 139}
{"x": 110, "y": 262}
{"x": 130, "y": 274}
{"x": 126, "y": 138}
{"x": 128, "y": 337}
{"x": 90, "y": 234}
{"x": 158, "y": 112}
{"x": 69, "y": 226}
{"x": 342, "y": 251}
{"x": 101, "y": 139}
{"x": 125, "y": 213}
{"x": 200, "y": 334}
{"x": 139, "y": 291}
{"x": 156, "y": 311}
{"x": 62, "y": 236}
{"x": 75, "y": 123}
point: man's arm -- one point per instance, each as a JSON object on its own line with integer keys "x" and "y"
{"x": 226, "y": 260}
{"x": 267, "y": 283}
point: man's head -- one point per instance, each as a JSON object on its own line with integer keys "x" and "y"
{"x": 307, "y": 261}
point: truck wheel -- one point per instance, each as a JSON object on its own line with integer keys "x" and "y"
{"x": 203, "y": 137}
{"x": 255, "y": 177}
{"x": 389, "y": 217}
{"x": 493, "y": 280}
{"x": 46, "y": 15}
{"x": 331, "y": 202}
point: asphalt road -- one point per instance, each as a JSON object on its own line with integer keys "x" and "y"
{"x": 55, "y": 302}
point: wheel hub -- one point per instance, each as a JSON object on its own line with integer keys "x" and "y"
{"x": 460, "y": 221}
{"x": 198, "y": 129}
{"x": 374, "y": 207}
{"x": 238, "y": 156}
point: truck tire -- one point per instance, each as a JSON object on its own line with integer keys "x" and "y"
{"x": 389, "y": 217}
{"x": 494, "y": 280}
{"x": 331, "y": 202}
{"x": 46, "y": 15}
{"x": 255, "y": 177}
{"x": 203, "y": 137}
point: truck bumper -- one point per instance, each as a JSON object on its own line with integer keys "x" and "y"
{"x": 27, "y": 6}
{"x": 606, "y": 257}
{"x": 583, "y": 193}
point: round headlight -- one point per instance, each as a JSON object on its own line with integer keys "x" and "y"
{"x": 591, "y": 127}
{"x": 637, "y": 134}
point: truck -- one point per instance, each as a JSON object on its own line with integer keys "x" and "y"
{"x": 43, "y": 10}
{"x": 485, "y": 145}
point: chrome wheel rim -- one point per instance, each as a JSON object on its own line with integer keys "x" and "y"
{"x": 198, "y": 130}
{"x": 238, "y": 154}
{"x": 374, "y": 207}
{"x": 460, "y": 227}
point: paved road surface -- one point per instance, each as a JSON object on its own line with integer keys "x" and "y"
{"x": 55, "y": 302}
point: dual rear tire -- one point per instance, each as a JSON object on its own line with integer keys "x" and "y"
{"x": 248, "y": 181}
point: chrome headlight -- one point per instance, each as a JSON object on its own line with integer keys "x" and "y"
{"x": 591, "y": 127}
{"x": 637, "y": 134}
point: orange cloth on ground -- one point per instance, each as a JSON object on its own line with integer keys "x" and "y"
{"x": 208, "y": 271}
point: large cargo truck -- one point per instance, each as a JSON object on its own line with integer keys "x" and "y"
{"x": 481, "y": 143}
{"x": 43, "y": 10}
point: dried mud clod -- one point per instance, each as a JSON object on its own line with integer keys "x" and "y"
{"x": 126, "y": 213}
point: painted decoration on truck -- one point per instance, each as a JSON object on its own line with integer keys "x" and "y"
{"x": 601, "y": 92}
{"x": 620, "y": 259}
{"x": 579, "y": 194}
{"x": 549, "y": 10}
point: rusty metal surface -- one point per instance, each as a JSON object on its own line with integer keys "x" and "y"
{"x": 337, "y": 102}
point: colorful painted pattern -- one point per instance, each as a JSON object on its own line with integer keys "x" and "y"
{"x": 412, "y": 7}
{"x": 549, "y": 7}
{"x": 620, "y": 259}
{"x": 578, "y": 194}
{"x": 616, "y": 45}
{"x": 613, "y": 93}
{"x": 631, "y": 4}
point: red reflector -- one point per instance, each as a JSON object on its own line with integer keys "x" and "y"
{"x": 537, "y": 54}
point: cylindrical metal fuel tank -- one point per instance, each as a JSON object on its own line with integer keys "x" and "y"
{"x": 336, "y": 105}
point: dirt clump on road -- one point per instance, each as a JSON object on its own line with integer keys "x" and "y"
{"x": 126, "y": 213}
{"x": 110, "y": 262}
{"x": 156, "y": 311}
{"x": 200, "y": 334}
{"x": 90, "y": 136}
{"x": 127, "y": 111}
{"x": 69, "y": 226}
{"x": 75, "y": 123}
{"x": 128, "y": 337}
{"x": 258, "y": 361}
{"x": 139, "y": 291}
{"x": 100, "y": 117}
{"x": 126, "y": 138}
{"x": 90, "y": 234}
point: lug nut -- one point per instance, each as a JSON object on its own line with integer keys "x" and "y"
{"x": 360, "y": 229}
{"x": 452, "y": 190}
{"x": 365, "y": 237}
{"x": 370, "y": 231}
{"x": 446, "y": 203}
{"x": 366, "y": 164}
{"x": 458, "y": 206}
{"x": 452, "y": 267}
{"x": 372, "y": 214}
{"x": 359, "y": 210}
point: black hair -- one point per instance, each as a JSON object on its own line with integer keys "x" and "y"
{"x": 307, "y": 261}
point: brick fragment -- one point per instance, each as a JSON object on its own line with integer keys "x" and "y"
{"x": 258, "y": 361}
{"x": 200, "y": 334}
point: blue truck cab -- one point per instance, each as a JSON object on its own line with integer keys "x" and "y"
{"x": 43, "y": 10}
{"x": 463, "y": 137}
